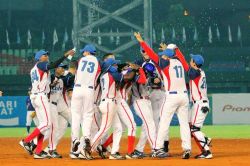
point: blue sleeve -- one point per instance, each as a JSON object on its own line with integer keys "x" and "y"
{"x": 118, "y": 77}
{"x": 192, "y": 73}
{"x": 43, "y": 66}
{"x": 163, "y": 63}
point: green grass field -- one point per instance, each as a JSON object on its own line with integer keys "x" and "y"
{"x": 214, "y": 131}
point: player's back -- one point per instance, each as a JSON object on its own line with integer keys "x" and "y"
{"x": 174, "y": 81}
{"x": 198, "y": 87}
{"x": 87, "y": 72}
{"x": 108, "y": 86}
{"x": 40, "y": 80}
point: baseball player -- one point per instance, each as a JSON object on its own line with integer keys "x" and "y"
{"x": 176, "y": 100}
{"x": 109, "y": 80}
{"x": 82, "y": 102}
{"x": 40, "y": 79}
{"x": 125, "y": 115}
{"x": 198, "y": 91}
{"x": 31, "y": 114}
{"x": 55, "y": 95}
{"x": 156, "y": 97}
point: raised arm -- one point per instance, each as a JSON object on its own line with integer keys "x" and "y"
{"x": 182, "y": 59}
{"x": 146, "y": 48}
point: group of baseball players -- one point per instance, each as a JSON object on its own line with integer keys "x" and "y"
{"x": 95, "y": 98}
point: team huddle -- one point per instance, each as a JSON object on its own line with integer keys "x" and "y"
{"x": 95, "y": 97}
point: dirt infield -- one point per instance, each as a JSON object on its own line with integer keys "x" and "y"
{"x": 226, "y": 152}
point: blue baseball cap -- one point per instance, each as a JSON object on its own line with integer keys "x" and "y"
{"x": 89, "y": 48}
{"x": 109, "y": 62}
{"x": 62, "y": 65}
{"x": 40, "y": 53}
{"x": 198, "y": 59}
{"x": 168, "y": 52}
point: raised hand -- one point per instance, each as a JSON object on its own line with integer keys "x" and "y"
{"x": 70, "y": 52}
{"x": 163, "y": 46}
{"x": 138, "y": 36}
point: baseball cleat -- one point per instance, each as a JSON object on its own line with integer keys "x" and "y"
{"x": 75, "y": 145}
{"x": 54, "y": 154}
{"x": 159, "y": 153}
{"x": 139, "y": 154}
{"x": 74, "y": 155}
{"x": 84, "y": 154}
{"x": 46, "y": 150}
{"x": 42, "y": 155}
{"x": 101, "y": 150}
{"x": 133, "y": 155}
{"x": 116, "y": 156}
{"x": 33, "y": 146}
{"x": 186, "y": 154}
{"x": 87, "y": 145}
{"x": 26, "y": 146}
{"x": 205, "y": 155}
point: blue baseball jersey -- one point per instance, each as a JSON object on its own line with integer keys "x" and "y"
{"x": 29, "y": 105}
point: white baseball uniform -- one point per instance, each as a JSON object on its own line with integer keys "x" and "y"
{"x": 107, "y": 105}
{"x": 40, "y": 88}
{"x": 82, "y": 102}
{"x": 198, "y": 90}
{"x": 176, "y": 100}
{"x": 55, "y": 93}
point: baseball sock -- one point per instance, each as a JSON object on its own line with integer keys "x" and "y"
{"x": 108, "y": 141}
{"x": 34, "y": 134}
{"x": 39, "y": 143}
{"x": 166, "y": 143}
{"x": 28, "y": 129}
{"x": 131, "y": 143}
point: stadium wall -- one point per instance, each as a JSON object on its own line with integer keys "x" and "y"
{"x": 225, "y": 109}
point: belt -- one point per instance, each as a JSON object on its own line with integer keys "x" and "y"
{"x": 55, "y": 103}
{"x": 109, "y": 99}
{"x": 175, "y": 92}
{"x": 79, "y": 85}
{"x": 156, "y": 87}
{"x": 39, "y": 93}
{"x": 203, "y": 101}
{"x": 144, "y": 97}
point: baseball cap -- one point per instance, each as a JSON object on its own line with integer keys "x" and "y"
{"x": 168, "y": 52}
{"x": 109, "y": 62}
{"x": 62, "y": 65}
{"x": 89, "y": 48}
{"x": 198, "y": 59}
{"x": 40, "y": 53}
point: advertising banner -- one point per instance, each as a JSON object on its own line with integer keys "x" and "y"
{"x": 231, "y": 108}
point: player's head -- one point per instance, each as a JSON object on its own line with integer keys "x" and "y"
{"x": 42, "y": 56}
{"x": 88, "y": 49}
{"x": 196, "y": 60}
{"x": 60, "y": 69}
{"x": 144, "y": 54}
{"x": 110, "y": 65}
{"x": 167, "y": 54}
{"x": 1, "y": 93}
{"x": 107, "y": 56}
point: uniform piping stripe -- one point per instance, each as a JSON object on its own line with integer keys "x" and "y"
{"x": 129, "y": 120}
{"x": 145, "y": 123}
{"x": 96, "y": 141}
